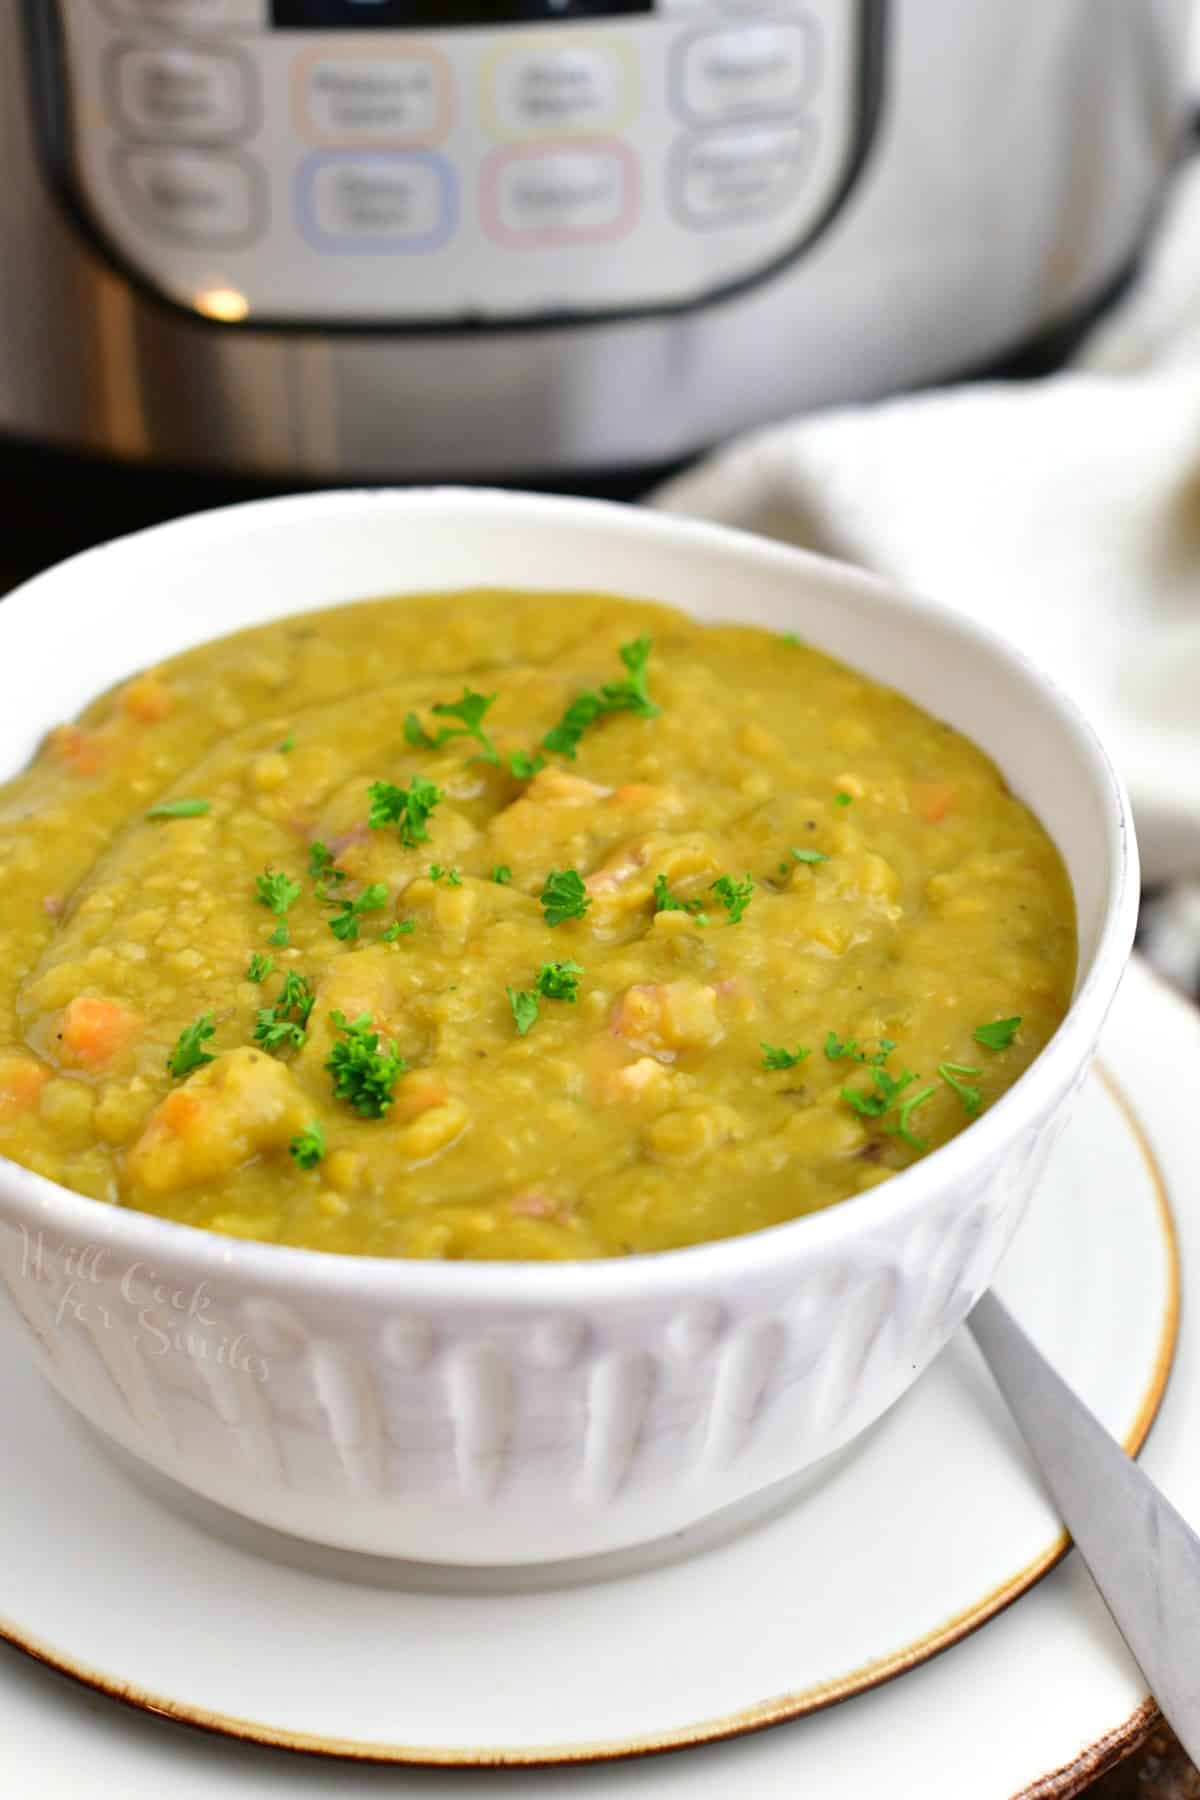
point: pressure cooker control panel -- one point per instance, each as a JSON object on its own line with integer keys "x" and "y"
{"x": 410, "y": 163}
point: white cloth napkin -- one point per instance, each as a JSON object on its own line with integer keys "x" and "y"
{"x": 1065, "y": 512}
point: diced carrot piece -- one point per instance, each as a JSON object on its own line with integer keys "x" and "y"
{"x": 180, "y": 1110}
{"x": 82, "y": 751}
{"x": 21, "y": 1083}
{"x": 146, "y": 698}
{"x": 94, "y": 1030}
{"x": 933, "y": 800}
{"x": 420, "y": 1092}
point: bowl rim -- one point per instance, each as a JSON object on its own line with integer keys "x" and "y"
{"x": 279, "y": 1267}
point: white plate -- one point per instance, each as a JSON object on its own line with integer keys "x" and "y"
{"x": 930, "y": 1528}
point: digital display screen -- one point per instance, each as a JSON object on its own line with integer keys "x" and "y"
{"x": 352, "y": 15}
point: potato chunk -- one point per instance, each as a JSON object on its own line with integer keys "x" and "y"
{"x": 240, "y": 1104}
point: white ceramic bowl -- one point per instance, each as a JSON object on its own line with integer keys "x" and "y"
{"x": 516, "y": 1413}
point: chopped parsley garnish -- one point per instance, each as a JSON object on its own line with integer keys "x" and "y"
{"x": 775, "y": 1057}
{"x": 364, "y": 1072}
{"x": 524, "y": 1009}
{"x": 523, "y": 766}
{"x": 902, "y": 1129}
{"x": 998, "y": 1035}
{"x": 260, "y": 967}
{"x": 842, "y": 799}
{"x": 471, "y": 711}
{"x": 409, "y": 807}
{"x": 344, "y": 924}
{"x": 308, "y": 1146}
{"x": 502, "y": 874}
{"x": 628, "y": 695}
{"x": 180, "y": 809}
{"x": 282, "y": 1026}
{"x": 278, "y": 892}
{"x": 559, "y": 980}
{"x": 808, "y": 856}
{"x": 398, "y": 928}
{"x": 288, "y": 744}
{"x": 452, "y": 876}
{"x": 971, "y": 1097}
{"x": 564, "y": 896}
{"x": 322, "y": 866}
{"x": 789, "y": 637}
{"x": 665, "y": 901}
{"x": 735, "y": 896}
{"x": 873, "y": 1102}
{"x": 296, "y": 996}
{"x": 188, "y": 1053}
{"x": 836, "y": 1049}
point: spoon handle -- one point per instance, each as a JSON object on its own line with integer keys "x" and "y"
{"x": 1143, "y": 1557}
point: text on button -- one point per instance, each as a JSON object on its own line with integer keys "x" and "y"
{"x": 751, "y": 71}
{"x": 725, "y": 177}
{"x": 568, "y": 194}
{"x": 402, "y": 201}
{"x": 193, "y": 196}
{"x": 182, "y": 94}
{"x": 548, "y": 90}
{"x": 396, "y": 97}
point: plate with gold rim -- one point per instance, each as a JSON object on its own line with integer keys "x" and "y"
{"x": 930, "y": 1527}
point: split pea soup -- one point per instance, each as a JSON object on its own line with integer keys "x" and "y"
{"x": 501, "y": 924}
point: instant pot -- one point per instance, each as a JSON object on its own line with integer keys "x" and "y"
{"x": 546, "y": 239}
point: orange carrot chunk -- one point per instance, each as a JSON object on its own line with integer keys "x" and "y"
{"x": 21, "y": 1082}
{"x": 82, "y": 751}
{"x": 94, "y": 1030}
{"x": 146, "y": 699}
{"x": 933, "y": 800}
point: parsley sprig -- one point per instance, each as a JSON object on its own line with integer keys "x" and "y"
{"x": 471, "y": 711}
{"x": 735, "y": 896}
{"x": 998, "y": 1035}
{"x": 559, "y": 981}
{"x": 180, "y": 809}
{"x": 260, "y": 967}
{"x": 189, "y": 1053}
{"x": 308, "y": 1146}
{"x": 628, "y": 695}
{"x": 282, "y": 1026}
{"x": 776, "y": 1057}
{"x": 523, "y": 765}
{"x": 564, "y": 896}
{"x": 666, "y": 901}
{"x": 971, "y": 1097}
{"x": 524, "y": 1005}
{"x": 553, "y": 981}
{"x": 322, "y": 867}
{"x": 344, "y": 924}
{"x": 365, "y": 1070}
{"x": 410, "y": 808}
{"x": 278, "y": 892}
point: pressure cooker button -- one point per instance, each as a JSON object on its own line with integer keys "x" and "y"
{"x": 589, "y": 87}
{"x": 165, "y": 91}
{"x": 189, "y": 15}
{"x": 388, "y": 97}
{"x": 571, "y": 194}
{"x": 735, "y": 176}
{"x": 399, "y": 200}
{"x": 746, "y": 72}
{"x": 199, "y": 197}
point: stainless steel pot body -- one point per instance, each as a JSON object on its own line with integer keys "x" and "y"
{"x": 228, "y": 239}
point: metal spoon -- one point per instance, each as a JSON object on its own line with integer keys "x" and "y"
{"x": 1143, "y": 1557}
